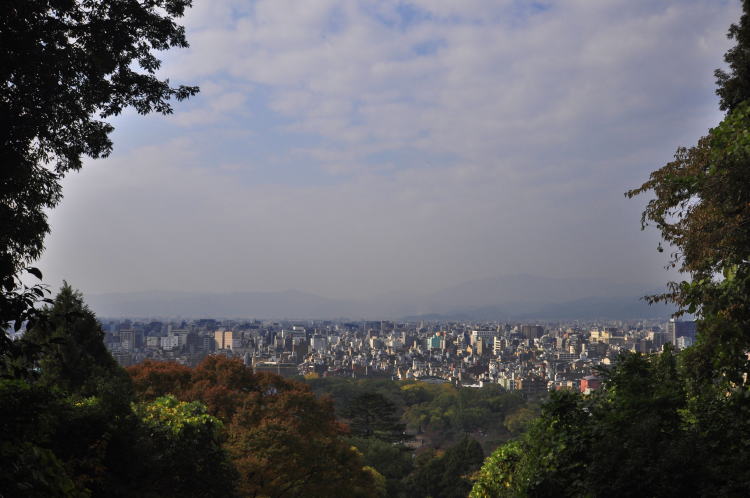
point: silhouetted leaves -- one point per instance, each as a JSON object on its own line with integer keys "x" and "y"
{"x": 65, "y": 67}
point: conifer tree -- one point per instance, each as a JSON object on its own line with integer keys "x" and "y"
{"x": 372, "y": 415}
{"x": 74, "y": 358}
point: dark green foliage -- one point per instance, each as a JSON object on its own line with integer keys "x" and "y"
{"x": 182, "y": 448}
{"x": 721, "y": 424}
{"x": 18, "y": 307}
{"x": 445, "y": 412}
{"x": 459, "y": 462}
{"x": 343, "y": 390}
{"x": 646, "y": 434}
{"x": 447, "y": 475}
{"x": 639, "y": 419}
{"x": 393, "y": 461}
{"x": 69, "y": 428}
{"x": 73, "y": 356}
{"x": 734, "y": 86}
{"x": 29, "y": 416}
{"x": 371, "y": 415}
{"x": 557, "y": 450}
{"x": 441, "y": 412}
{"x": 702, "y": 209}
{"x": 667, "y": 425}
{"x": 65, "y": 67}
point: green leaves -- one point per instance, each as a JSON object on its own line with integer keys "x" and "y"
{"x": 629, "y": 436}
{"x": 372, "y": 415}
{"x": 177, "y": 417}
{"x": 65, "y": 67}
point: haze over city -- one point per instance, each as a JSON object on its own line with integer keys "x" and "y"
{"x": 356, "y": 149}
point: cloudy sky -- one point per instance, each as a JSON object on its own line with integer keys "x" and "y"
{"x": 354, "y": 148}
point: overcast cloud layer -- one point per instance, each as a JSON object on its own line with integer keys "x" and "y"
{"x": 354, "y": 148}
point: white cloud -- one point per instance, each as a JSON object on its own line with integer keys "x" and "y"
{"x": 216, "y": 106}
{"x": 396, "y": 152}
{"x": 487, "y": 89}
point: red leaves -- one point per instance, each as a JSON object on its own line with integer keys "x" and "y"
{"x": 282, "y": 438}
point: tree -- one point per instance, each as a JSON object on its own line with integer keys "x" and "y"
{"x": 29, "y": 416}
{"x": 282, "y": 439}
{"x": 372, "y": 415}
{"x": 446, "y": 475}
{"x": 734, "y": 86}
{"x": 153, "y": 379}
{"x": 73, "y": 357}
{"x": 701, "y": 206}
{"x": 290, "y": 444}
{"x": 460, "y": 461}
{"x": 392, "y": 461}
{"x": 66, "y": 66}
{"x": 517, "y": 421}
{"x": 667, "y": 425}
{"x": 94, "y": 423}
{"x": 496, "y": 477}
{"x": 634, "y": 438}
{"x": 182, "y": 448}
{"x": 70, "y": 427}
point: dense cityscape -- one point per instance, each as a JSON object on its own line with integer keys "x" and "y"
{"x": 529, "y": 358}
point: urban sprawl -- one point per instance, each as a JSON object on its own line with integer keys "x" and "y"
{"x": 529, "y": 358}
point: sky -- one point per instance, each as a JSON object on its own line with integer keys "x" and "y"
{"x": 360, "y": 148}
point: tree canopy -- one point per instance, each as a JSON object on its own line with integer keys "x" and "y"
{"x": 283, "y": 440}
{"x": 667, "y": 424}
{"x": 73, "y": 355}
{"x": 372, "y": 415}
{"x": 634, "y": 438}
{"x": 446, "y": 475}
{"x": 701, "y": 206}
{"x": 733, "y": 87}
{"x": 71, "y": 428}
{"x": 66, "y": 66}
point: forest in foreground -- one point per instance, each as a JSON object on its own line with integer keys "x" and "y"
{"x": 75, "y": 424}
{"x": 91, "y": 428}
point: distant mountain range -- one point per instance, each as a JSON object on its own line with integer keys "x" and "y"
{"x": 512, "y": 297}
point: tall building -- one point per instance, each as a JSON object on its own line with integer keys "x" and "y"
{"x": 677, "y": 329}
{"x": 483, "y": 346}
{"x": 683, "y": 342}
{"x": 437, "y": 341}
{"x": 127, "y": 339}
{"x": 223, "y": 339}
{"x": 498, "y": 346}
{"x": 169, "y": 342}
{"x": 485, "y": 335}
{"x": 296, "y": 334}
{"x": 532, "y": 331}
{"x": 318, "y": 343}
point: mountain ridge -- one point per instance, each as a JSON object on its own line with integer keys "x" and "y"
{"x": 504, "y": 297}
